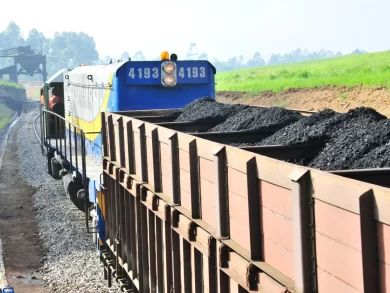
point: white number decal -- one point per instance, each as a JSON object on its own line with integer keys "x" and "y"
{"x": 155, "y": 72}
{"x": 181, "y": 72}
{"x": 147, "y": 72}
{"x": 131, "y": 73}
{"x": 202, "y": 72}
{"x": 194, "y": 72}
{"x": 144, "y": 72}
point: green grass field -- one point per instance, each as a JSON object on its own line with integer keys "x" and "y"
{"x": 367, "y": 69}
{"x": 5, "y": 115}
{"x": 9, "y": 84}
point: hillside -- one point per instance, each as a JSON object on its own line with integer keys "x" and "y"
{"x": 338, "y": 83}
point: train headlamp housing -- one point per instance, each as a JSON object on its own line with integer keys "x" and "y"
{"x": 169, "y": 80}
{"x": 168, "y": 74}
{"x": 169, "y": 67}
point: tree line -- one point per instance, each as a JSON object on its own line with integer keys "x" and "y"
{"x": 69, "y": 49}
{"x": 297, "y": 55}
{"x": 64, "y": 49}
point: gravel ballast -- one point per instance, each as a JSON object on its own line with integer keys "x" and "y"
{"x": 71, "y": 263}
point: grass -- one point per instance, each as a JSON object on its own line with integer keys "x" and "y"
{"x": 371, "y": 69}
{"x": 10, "y": 84}
{"x": 5, "y": 115}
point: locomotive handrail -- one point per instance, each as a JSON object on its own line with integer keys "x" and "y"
{"x": 86, "y": 189}
{"x": 59, "y": 125}
{"x": 58, "y": 130}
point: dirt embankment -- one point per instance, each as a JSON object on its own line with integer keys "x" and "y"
{"x": 22, "y": 251}
{"x": 340, "y": 99}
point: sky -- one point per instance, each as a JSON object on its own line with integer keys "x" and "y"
{"x": 220, "y": 28}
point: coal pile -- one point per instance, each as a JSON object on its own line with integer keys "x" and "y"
{"x": 347, "y": 138}
{"x": 377, "y": 158}
{"x": 305, "y": 130}
{"x": 173, "y": 114}
{"x": 254, "y": 118}
{"x": 208, "y": 110}
{"x": 301, "y": 162}
{"x": 321, "y": 126}
{"x": 351, "y": 143}
{"x": 357, "y": 139}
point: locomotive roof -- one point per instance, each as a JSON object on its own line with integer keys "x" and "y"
{"x": 57, "y": 77}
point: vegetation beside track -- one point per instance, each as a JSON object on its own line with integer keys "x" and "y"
{"x": 370, "y": 69}
{"x": 5, "y": 115}
{"x": 6, "y": 84}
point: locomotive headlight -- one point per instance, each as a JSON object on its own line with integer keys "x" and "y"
{"x": 169, "y": 80}
{"x": 169, "y": 67}
{"x": 168, "y": 74}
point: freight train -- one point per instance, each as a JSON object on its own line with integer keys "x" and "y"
{"x": 72, "y": 136}
{"x": 175, "y": 207}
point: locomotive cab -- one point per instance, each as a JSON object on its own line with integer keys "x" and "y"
{"x": 52, "y": 99}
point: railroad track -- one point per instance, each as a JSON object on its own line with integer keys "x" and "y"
{"x": 35, "y": 128}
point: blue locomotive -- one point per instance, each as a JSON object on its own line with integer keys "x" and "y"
{"x": 71, "y": 125}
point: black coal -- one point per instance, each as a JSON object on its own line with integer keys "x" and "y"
{"x": 320, "y": 126}
{"x": 359, "y": 138}
{"x": 377, "y": 158}
{"x": 208, "y": 110}
{"x": 352, "y": 142}
{"x": 254, "y": 118}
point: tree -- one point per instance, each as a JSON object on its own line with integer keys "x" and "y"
{"x": 203, "y": 56}
{"x": 35, "y": 39}
{"x": 125, "y": 56}
{"x": 241, "y": 61}
{"x": 357, "y": 52}
{"x": 256, "y": 61}
{"x": 11, "y": 37}
{"x": 233, "y": 63}
{"x": 138, "y": 56}
{"x": 70, "y": 49}
{"x": 275, "y": 59}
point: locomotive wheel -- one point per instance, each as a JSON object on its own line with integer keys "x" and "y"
{"x": 76, "y": 195}
{"x": 50, "y": 156}
{"x": 81, "y": 200}
{"x": 55, "y": 168}
{"x": 73, "y": 188}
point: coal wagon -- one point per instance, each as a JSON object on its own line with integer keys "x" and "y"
{"x": 186, "y": 210}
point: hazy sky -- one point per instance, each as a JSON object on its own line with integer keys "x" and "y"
{"x": 222, "y": 28}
